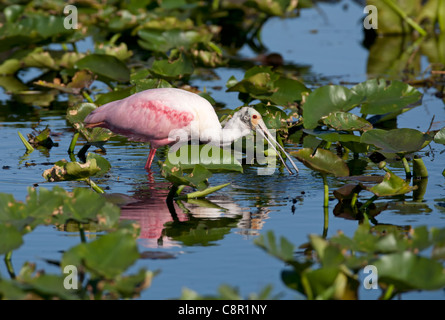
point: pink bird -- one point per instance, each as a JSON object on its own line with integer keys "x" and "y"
{"x": 154, "y": 114}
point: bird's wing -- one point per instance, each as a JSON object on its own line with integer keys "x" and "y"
{"x": 141, "y": 119}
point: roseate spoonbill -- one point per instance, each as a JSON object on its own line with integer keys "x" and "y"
{"x": 152, "y": 115}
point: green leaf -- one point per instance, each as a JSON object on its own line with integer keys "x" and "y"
{"x": 108, "y": 256}
{"x": 129, "y": 287}
{"x": 257, "y": 81}
{"x": 346, "y": 121}
{"x": 380, "y": 99}
{"x": 330, "y": 256}
{"x": 40, "y": 59}
{"x": 333, "y": 136}
{"x": 439, "y": 137}
{"x": 10, "y": 66}
{"x": 324, "y": 100}
{"x": 106, "y": 66}
{"x": 283, "y": 250}
{"x": 113, "y": 96}
{"x": 10, "y": 238}
{"x": 12, "y": 12}
{"x": 205, "y": 192}
{"x": 164, "y": 40}
{"x": 397, "y": 140}
{"x": 212, "y": 158}
{"x": 323, "y": 161}
{"x": 390, "y": 186}
{"x": 408, "y": 271}
{"x": 76, "y": 115}
{"x": 144, "y": 84}
{"x": 286, "y": 91}
{"x": 67, "y": 171}
{"x": 85, "y": 206}
{"x": 176, "y": 68}
{"x": 102, "y": 163}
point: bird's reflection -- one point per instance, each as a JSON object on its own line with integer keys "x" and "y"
{"x": 195, "y": 222}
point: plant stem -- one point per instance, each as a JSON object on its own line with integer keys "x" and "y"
{"x": 407, "y": 168}
{"x": 9, "y": 265}
{"x": 73, "y": 143}
{"x": 82, "y": 233}
{"x": 94, "y": 186}
{"x": 405, "y": 17}
{"x": 441, "y": 15}
{"x": 389, "y": 293}
{"x": 367, "y": 203}
{"x": 179, "y": 190}
{"x": 326, "y": 191}
{"x": 87, "y": 96}
{"x": 325, "y": 221}
{"x": 203, "y": 193}
{"x": 171, "y": 195}
{"x": 419, "y": 168}
{"x": 354, "y": 202}
{"x": 173, "y": 191}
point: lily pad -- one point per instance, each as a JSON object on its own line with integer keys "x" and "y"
{"x": 197, "y": 178}
{"x": 323, "y": 161}
{"x": 164, "y": 40}
{"x": 333, "y": 136}
{"x": 381, "y": 99}
{"x": 397, "y": 140}
{"x": 212, "y": 158}
{"x": 63, "y": 170}
{"x": 325, "y": 100}
{"x": 106, "y": 66}
{"x": 285, "y": 91}
{"x": 391, "y": 185}
{"x": 257, "y": 81}
{"x": 173, "y": 68}
{"x": 346, "y": 121}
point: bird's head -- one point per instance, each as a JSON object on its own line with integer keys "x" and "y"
{"x": 250, "y": 117}
{"x": 247, "y": 119}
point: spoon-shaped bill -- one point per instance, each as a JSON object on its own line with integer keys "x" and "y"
{"x": 262, "y": 129}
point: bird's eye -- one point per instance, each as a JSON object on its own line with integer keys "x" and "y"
{"x": 254, "y": 116}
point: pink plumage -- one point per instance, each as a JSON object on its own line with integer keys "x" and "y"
{"x": 151, "y": 116}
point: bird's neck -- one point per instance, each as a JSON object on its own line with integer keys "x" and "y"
{"x": 229, "y": 135}
{"x": 232, "y": 131}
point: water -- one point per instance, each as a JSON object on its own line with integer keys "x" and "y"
{"x": 329, "y": 42}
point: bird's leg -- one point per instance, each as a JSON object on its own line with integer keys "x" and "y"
{"x": 151, "y": 155}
